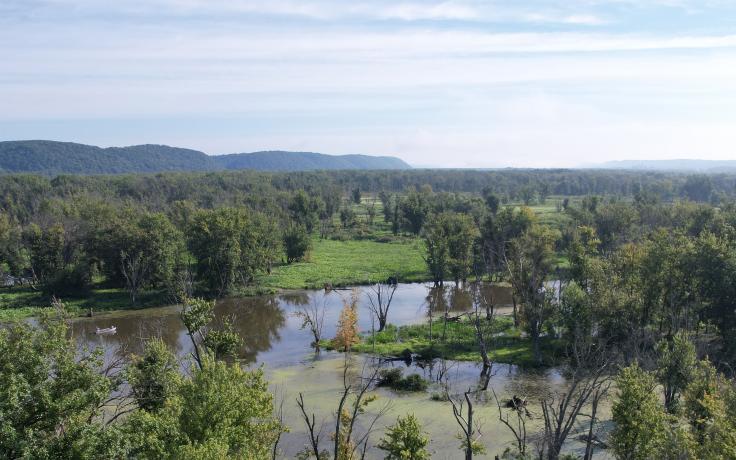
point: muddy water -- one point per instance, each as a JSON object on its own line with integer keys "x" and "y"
{"x": 271, "y": 333}
{"x": 273, "y": 337}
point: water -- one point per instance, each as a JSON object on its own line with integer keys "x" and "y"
{"x": 272, "y": 337}
{"x": 271, "y": 332}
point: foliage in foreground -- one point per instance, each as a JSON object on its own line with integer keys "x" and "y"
{"x": 405, "y": 440}
{"x": 705, "y": 428}
{"x": 57, "y": 404}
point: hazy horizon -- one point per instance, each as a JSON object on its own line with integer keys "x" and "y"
{"x": 466, "y": 83}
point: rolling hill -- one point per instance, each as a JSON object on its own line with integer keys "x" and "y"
{"x": 671, "y": 165}
{"x": 53, "y": 158}
{"x": 304, "y": 161}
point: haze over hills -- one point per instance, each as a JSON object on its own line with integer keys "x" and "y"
{"x": 305, "y": 161}
{"x": 52, "y": 157}
{"x": 670, "y": 165}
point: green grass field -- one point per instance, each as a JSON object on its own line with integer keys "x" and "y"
{"x": 19, "y": 303}
{"x": 338, "y": 262}
{"x": 375, "y": 255}
{"x": 351, "y": 262}
{"x": 456, "y": 341}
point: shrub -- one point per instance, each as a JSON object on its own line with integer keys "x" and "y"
{"x": 393, "y": 379}
{"x": 297, "y": 243}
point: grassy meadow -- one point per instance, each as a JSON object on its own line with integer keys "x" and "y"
{"x": 454, "y": 340}
{"x": 367, "y": 253}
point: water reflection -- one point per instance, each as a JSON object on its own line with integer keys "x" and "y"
{"x": 257, "y": 321}
{"x": 271, "y": 333}
{"x": 273, "y": 336}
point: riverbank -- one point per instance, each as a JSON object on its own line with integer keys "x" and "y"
{"x": 339, "y": 263}
{"x": 455, "y": 341}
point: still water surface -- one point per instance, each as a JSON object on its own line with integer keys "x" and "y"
{"x": 273, "y": 337}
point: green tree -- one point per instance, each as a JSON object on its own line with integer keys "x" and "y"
{"x": 576, "y": 314}
{"x": 137, "y": 250}
{"x": 50, "y": 396}
{"x": 305, "y": 209}
{"x": 57, "y": 259}
{"x": 13, "y": 256}
{"x": 497, "y": 231}
{"x": 668, "y": 276}
{"x": 715, "y": 268}
{"x": 461, "y": 236}
{"x": 449, "y": 240}
{"x": 675, "y": 365}
{"x": 222, "y": 411}
{"x": 706, "y": 409}
{"x": 355, "y": 195}
{"x": 642, "y": 428}
{"x": 405, "y": 440}
{"x": 529, "y": 265}
{"x": 46, "y": 250}
{"x": 227, "y": 244}
{"x": 154, "y": 377}
{"x": 614, "y": 223}
{"x": 415, "y": 210}
{"x": 297, "y": 243}
{"x": 347, "y": 217}
{"x": 197, "y": 316}
{"x": 436, "y": 244}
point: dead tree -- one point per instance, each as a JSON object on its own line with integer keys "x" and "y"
{"x": 470, "y": 432}
{"x": 591, "y": 440}
{"x": 517, "y": 426}
{"x": 314, "y": 434}
{"x": 313, "y": 317}
{"x": 353, "y": 399}
{"x": 483, "y": 333}
{"x": 380, "y": 301}
{"x": 280, "y": 416}
{"x": 588, "y": 379}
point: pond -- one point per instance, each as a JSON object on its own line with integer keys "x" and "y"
{"x": 273, "y": 337}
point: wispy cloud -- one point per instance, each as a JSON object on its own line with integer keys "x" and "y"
{"x": 495, "y": 83}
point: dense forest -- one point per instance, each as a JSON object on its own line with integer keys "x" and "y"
{"x": 23, "y": 196}
{"x": 624, "y": 282}
{"x": 51, "y": 158}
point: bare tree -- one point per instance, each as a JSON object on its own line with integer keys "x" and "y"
{"x": 313, "y": 317}
{"x": 135, "y": 269}
{"x": 314, "y": 434}
{"x": 470, "y": 431}
{"x": 588, "y": 378}
{"x": 591, "y": 440}
{"x": 280, "y": 417}
{"x": 483, "y": 332}
{"x": 518, "y": 426}
{"x": 380, "y": 301}
{"x": 353, "y": 400}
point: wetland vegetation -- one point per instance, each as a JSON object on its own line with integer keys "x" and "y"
{"x": 524, "y": 314}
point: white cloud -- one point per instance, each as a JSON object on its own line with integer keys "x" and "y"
{"x": 584, "y": 19}
{"x": 460, "y": 95}
{"x": 326, "y": 10}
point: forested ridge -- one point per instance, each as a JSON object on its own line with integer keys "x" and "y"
{"x": 52, "y": 158}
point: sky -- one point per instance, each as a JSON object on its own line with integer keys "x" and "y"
{"x": 465, "y": 83}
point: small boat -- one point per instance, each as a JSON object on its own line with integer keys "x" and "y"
{"x": 106, "y": 331}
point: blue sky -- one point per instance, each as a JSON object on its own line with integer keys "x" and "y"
{"x": 466, "y": 83}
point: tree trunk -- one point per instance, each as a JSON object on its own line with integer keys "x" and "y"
{"x": 589, "y": 441}
{"x": 469, "y": 448}
{"x": 535, "y": 343}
